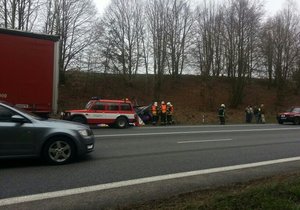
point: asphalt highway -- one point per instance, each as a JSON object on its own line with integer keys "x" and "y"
{"x": 140, "y": 152}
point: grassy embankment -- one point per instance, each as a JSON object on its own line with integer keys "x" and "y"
{"x": 195, "y": 98}
{"x": 276, "y": 193}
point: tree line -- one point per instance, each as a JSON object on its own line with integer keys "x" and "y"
{"x": 236, "y": 39}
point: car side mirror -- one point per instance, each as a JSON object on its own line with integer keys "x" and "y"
{"x": 18, "y": 119}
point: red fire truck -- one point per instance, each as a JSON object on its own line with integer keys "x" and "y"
{"x": 29, "y": 70}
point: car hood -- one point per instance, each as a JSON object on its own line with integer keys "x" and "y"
{"x": 63, "y": 124}
{"x": 287, "y": 113}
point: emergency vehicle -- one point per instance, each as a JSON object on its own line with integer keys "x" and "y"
{"x": 119, "y": 113}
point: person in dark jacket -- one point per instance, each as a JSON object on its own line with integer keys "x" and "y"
{"x": 221, "y": 114}
{"x": 256, "y": 113}
{"x": 249, "y": 114}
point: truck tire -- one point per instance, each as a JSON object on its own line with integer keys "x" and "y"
{"x": 59, "y": 150}
{"x": 79, "y": 119}
{"x": 121, "y": 122}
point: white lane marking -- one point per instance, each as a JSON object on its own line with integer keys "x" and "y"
{"x": 75, "y": 191}
{"x": 193, "y": 132}
{"x": 206, "y": 126}
{"x": 203, "y": 141}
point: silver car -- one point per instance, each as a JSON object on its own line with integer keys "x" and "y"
{"x": 23, "y": 134}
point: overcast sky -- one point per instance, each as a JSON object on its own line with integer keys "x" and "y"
{"x": 271, "y": 5}
{"x": 101, "y": 4}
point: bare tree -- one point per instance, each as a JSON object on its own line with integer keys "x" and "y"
{"x": 296, "y": 75}
{"x": 179, "y": 24}
{"x": 208, "y": 42}
{"x": 157, "y": 11}
{"x": 266, "y": 49}
{"x": 282, "y": 47}
{"x": 286, "y": 44}
{"x": 122, "y": 23}
{"x": 242, "y": 24}
{"x": 73, "y": 21}
{"x": 19, "y": 14}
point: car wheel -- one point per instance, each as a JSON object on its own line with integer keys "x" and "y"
{"x": 297, "y": 121}
{"x": 59, "y": 151}
{"x": 280, "y": 121}
{"x": 79, "y": 119}
{"x": 121, "y": 122}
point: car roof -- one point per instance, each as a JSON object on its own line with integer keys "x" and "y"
{"x": 112, "y": 101}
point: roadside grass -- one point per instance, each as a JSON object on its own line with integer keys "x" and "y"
{"x": 276, "y": 193}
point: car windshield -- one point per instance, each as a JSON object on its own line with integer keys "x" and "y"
{"x": 295, "y": 110}
{"x": 29, "y": 113}
{"x": 88, "y": 105}
{"x": 23, "y": 111}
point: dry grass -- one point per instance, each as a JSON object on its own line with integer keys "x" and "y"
{"x": 278, "y": 192}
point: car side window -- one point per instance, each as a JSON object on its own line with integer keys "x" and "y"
{"x": 113, "y": 107}
{"x": 5, "y": 114}
{"x": 125, "y": 107}
{"x": 98, "y": 106}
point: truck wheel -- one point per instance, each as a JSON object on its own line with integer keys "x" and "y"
{"x": 121, "y": 122}
{"x": 297, "y": 121}
{"x": 59, "y": 151}
{"x": 79, "y": 119}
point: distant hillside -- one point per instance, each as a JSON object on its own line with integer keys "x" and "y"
{"x": 195, "y": 98}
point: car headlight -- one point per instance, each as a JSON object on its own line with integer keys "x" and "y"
{"x": 84, "y": 133}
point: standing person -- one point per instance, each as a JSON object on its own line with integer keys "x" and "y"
{"x": 154, "y": 112}
{"x": 247, "y": 113}
{"x": 251, "y": 114}
{"x": 256, "y": 114}
{"x": 259, "y": 114}
{"x": 262, "y": 113}
{"x": 163, "y": 113}
{"x": 221, "y": 114}
{"x": 170, "y": 110}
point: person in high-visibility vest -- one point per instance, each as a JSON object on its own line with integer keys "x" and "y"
{"x": 154, "y": 112}
{"x": 163, "y": 113}
{"x": 170, "y": 110}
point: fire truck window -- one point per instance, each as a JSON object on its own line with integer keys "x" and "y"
{"x": 99, "y": 106}
{"x": 113, "y": 107}
{"x": 125, "y": 107}
{"x": 5, "y": 114}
